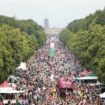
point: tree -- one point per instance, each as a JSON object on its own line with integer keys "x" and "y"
{"x": 86, "y": 38}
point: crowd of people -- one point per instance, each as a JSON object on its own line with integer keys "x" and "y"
{"x": 41, "y": 79}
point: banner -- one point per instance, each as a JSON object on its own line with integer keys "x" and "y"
{"x": 52, "y": 45}
{"x": 52, "y": 52}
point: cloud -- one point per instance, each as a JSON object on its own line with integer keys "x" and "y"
{"x": 58, "y": 11}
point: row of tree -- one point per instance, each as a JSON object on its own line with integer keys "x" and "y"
{"x": 18, "y": 41}
{"x": 86, "y": 39}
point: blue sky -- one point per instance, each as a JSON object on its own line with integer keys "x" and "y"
{"x": 59, "y": 12}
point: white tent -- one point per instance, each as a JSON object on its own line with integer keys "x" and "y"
{"x": 5, "y": 89}
{"x": 10, "y": 91}
{"x": 22, "y": 66}
{"x": 102, "y": 95}
{"x": 13, "y": 101}
{"x": 96, "y": 84}
{"x": 87, "y": 78}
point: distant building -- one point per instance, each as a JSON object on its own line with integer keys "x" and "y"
{"x": 46, "y": 24}
{"x": 53, "y": 31}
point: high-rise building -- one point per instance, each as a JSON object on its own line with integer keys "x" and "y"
{"x": 46, "y": 23}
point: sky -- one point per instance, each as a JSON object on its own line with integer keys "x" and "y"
{"x": 59, "y": 12}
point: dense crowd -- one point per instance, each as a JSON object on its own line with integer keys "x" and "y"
{"x": 40, "y": 80}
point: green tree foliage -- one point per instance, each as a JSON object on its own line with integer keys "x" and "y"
{"x": 18, "y": 41}
{"x": 86, "y": 38}
{"x": 28, "y": 26}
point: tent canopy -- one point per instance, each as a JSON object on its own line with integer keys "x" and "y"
{"x": 4, "y": 84}
{"x": 22, "y": 66}
{"x": 87, "y": 78}
{"x": 102, "y": 95}
{"x": 91, "y": 74}
{"x": 85, "y": 72}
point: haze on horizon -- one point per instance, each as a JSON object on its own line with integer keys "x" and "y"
{"x": 59, "y": 12}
